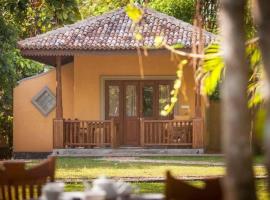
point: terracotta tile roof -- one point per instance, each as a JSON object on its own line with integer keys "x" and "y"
{"x": 114, "y": 31}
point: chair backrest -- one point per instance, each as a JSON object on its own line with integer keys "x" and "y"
{"x": 17, "y": 182}
{"x": 176, "y": 189}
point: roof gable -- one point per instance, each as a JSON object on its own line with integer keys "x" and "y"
{"x": 114, "y": 31}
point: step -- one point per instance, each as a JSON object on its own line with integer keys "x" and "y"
{"x": 127, "y": 152}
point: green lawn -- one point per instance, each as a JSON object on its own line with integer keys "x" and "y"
{"x": 187, "y": 158}
{"x": 78, "y": 169}
{"x": 85, "y": 168}
{"x": 211, "y": 159}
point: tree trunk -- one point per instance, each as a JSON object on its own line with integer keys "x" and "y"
{"x": 239, "y": 181}
{"x": 262, "y": 18}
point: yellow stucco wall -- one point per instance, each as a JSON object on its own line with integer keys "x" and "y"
{"x": 32, "y": 132}
{"x": 82, "y": 93}
{"x": 89, "y": 71}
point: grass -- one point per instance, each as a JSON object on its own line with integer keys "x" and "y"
{"x": 211, "y": 159}
{"x": 86, "y": 168}
{"x": 145, "y": 187}
{"x": 187, "y": 158}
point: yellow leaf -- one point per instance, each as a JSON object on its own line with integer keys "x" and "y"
{"x": 167, "y": 107}
{"x": 173, "y": 99}
{"x": 179, "y": 73}
{"x": 177, "y": 84}
{"x": 163, "y": 113}
{"x": 158, "y": 41}
{"x": 138, "y": 36}
{"x": 133, "y": 12}
{"x": 184, "y": 62}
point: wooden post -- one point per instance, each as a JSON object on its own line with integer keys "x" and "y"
{"x": 197, "y": 133}
{"x": 142, "y": 132}
{"x": 58, "y": 133}
{"x": 113, "y": 135}
{"x": 58, "y": 123}
{"x": 59, "y": 106}
{"x": 170, "y": 132}
{"x": 197, "y": 125}
{"x": 198, "y": 108}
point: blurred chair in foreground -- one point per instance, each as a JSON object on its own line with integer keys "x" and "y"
{"x": 178, "y": 190}
{"x": 17, "y": 182}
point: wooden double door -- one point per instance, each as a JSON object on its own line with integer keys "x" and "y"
{"x": 127, "y": 101}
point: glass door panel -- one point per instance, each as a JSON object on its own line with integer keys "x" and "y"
{"x": 114, "y": 100}
{"x": 114, "y": 106}
{"x": 164, "y": 97}
{"x": 131, "y": 111}
{"x": 148, "y": 101}
{"x": 131, "y": 100}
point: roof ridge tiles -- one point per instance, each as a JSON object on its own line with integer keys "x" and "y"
{"x": 97, "y": 33}
{"x": 68, "y": 26}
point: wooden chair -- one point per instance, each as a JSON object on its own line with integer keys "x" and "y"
{"x": 17, "y": 182}
{"x": 178, "y": 190}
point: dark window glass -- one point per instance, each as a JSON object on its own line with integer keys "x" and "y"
{"x": 148, "y": 98}
{"x": 164, "y": 96}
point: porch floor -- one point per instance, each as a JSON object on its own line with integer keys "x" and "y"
{"x": 124, "y": 151}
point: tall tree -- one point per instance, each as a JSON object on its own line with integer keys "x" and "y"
{"x": 239, "y": 181}
{"x": 98, "y": 7}
{"x": 181, "y": 9}
{"x": 262, "y": 18}
{"x": 39, "y": 16}
{"x": 20, "y": 19}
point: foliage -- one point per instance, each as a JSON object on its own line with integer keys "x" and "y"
{"x": 209, "y": 12}
{"x": 20, "y": 19}
{"x": 12, "y": 68}
{"x": 257, "y": 88}
{"x": 210, "y": 73}
{"x": 176, "y": 87}
{"x": 180, "y": 9}
{"x": 7, "y": 40}
{"x": 134, "y": 13}
{"x": 250, "y": 28}
{"x": 97, "y": 7}
{"x": 39, "y": 16}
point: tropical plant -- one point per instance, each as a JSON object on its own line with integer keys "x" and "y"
{"x": 20, "y": 19}
{"x": 212, "y": 70}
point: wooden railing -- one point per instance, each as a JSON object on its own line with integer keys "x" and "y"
{"x": 103, "y": 133}
{"x": 166, "y": 132}
{"x": 87, "y": 134}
